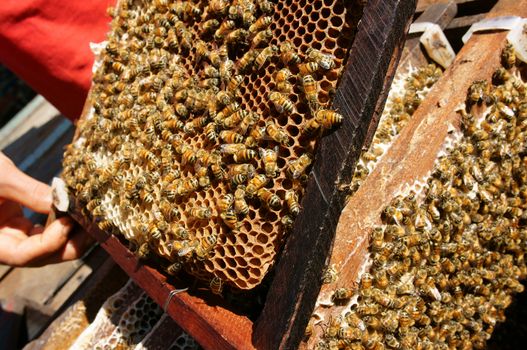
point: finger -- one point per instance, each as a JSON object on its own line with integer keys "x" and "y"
{"x": 39, "y": 246}
{"x": 21, "y": 188}
{"x": 18, "y": 223}
{"x": 75, "y": 248}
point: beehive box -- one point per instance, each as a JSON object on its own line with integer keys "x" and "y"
{"x": 259, "y": 236}
{"x": 410, "y": 270}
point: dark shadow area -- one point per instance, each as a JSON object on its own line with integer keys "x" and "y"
{"x": 14, "y": 95}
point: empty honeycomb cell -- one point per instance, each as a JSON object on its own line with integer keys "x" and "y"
{"x": 263, "y": 238}
{"x": 315, "y": 16}
{"x": 326, "y": 13}
{"x": 336, "y": 21}
{"x": 258, "y": 250}
{"x": 298, "y": 41}
{"x": 231, "y": 262}
{"x": 240, "y": 251}
{"x": 231, "y": 273}
{"x": 243, "y": 273}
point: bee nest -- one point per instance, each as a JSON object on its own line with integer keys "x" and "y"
{"x": 202, "y": 124}
{"x": 446, "y": 262}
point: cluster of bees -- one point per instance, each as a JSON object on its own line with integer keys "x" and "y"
{"x": 176, "y": 156}
{"x": 405, "y": 96}
{"x": 446, "y": 261}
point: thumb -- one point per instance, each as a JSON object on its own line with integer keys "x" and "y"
{"x": 21, "y": 188}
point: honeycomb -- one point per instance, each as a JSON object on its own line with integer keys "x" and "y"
{"x": 202, "y": 124}
{"x": 406, "y": 94}
{"x": 127, "y": 320}
{"x": 448, "y": 258}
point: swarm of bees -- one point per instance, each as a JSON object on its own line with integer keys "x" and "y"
{"x": 405, "y": 96}
{"x": 203, "y": 122}
{"x": 447, "y": 261}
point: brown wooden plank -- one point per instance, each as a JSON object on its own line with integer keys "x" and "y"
{"x": 465, "y": 21}
{"x": 413, "y": 153}
{"x": 296, "y": 284}
{"x": 37, "y": 284}
{"x": 422, "y": 5}
{"x": 213, "y": 326}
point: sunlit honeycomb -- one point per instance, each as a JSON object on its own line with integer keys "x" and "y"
{"x": 161, "y": 142}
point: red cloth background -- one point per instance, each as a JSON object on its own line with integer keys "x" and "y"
{"x": 46, "y": 43}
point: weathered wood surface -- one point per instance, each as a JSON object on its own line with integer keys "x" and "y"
{"x": 422, "y": 5}
{"x": 296, "y": 284}
{"x": 212, "y": 325}
{"x": 414, "y": 152}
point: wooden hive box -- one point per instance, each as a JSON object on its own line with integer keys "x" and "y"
{"x": 359, "y": 97}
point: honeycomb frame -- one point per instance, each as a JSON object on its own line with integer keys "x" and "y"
{"x": 242, "y": 260}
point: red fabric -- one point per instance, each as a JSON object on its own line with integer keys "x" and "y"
{"x": 46, "y": 43}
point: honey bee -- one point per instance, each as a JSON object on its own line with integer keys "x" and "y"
{"x": 225, "y": 202}
{"x": 341, "y": 294}
{"x": 282, "y": 75}
{"x": 218, "y": 7}
{"x": 174, "y": 268}
{"x": 200, "y": 212}
{"x": 230, "y": 219}
{"x": 288, "y": 55}
{"x": 261, "y": 24}
{"x": 281, "y": 102}
{"x": 246, "y": 62}
{"x": 92, "y": 204}
{"x": 266, "y": 6}
{"x": 234, "y": 82}
{"x": 328, "y": 118}
{"x": 244, "y": 155}
{"x": 247, "y": 170}
{"x": 265, "y": 55}
{"x": 238, "y": 179}
{"x": 210, "y": 132}
{"x": 291, "y": 199}
{"x": 209, "y": 26}
{"x": 269, "y": 157}
{"x": 262, "y": 37}
{"x": 310, "y": 90}
{"x": 224, "y": 29}
{"x": 324, "y": 60}
{"x": 276, "y": 133}
{"x": 307, "y": 68}
{"x": 240, "y": 205}
{"x": 231, "y": 137}
{"x": 249, "y": 119}
{"x": 236, "y": 37}
{"x": 269, "y": 198}
{"x": 255, "y": 184}
{"x": 216, "y": 285}
{"x": 232, "y": 148}
{"x": 310, "y": 128}
{"x": 298, "y": 167}
{"x": 508, "y": 56}
{"x": 106, "y": 226}
{"x": 202, "y": 50}
{"x": 226, "y": 69}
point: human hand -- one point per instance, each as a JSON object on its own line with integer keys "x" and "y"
{"x": 22, "y": 243}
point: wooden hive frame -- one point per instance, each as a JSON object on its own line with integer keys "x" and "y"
{"x": 412, "y": 155}
{"x": 359, "y": 98}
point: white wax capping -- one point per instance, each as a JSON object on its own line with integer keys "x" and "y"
{"x": 435, "y": 42}
{"x": 96, "y": 49}
{"x": 60, "y": 194}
